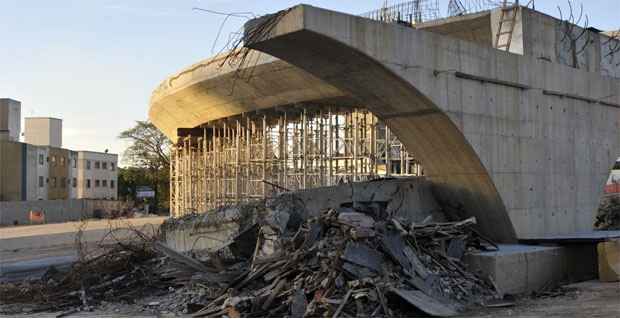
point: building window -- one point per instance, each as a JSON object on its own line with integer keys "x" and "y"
{"x": 74, "y": 163}
{"x": 40, "y": 181}
{"x": 97, "y": 183}
{"x": 74, "y": 182}
{"x": 112, "y": 166}
{"x": 62, "y": 161}
{"x": 104, "y": 183}
{"x": 53, "y": 182}
{"x": 88, "y": 183}
{"x": 54, "y": 160}
{"x": 97, "y": 165}
{"x": 87, "y": 164}
{"x": 104, "y": 165}
{"x": 63, "y": 182}
{"x": 41, "y": 159}
{"x": 111, "y": 183}
{"x": 47, "y": 180}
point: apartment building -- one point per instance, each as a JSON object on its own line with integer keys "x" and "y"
{"x": 41, "y": 169}
{"x": 43, "y": 131}
{"x": 97, "y": 175}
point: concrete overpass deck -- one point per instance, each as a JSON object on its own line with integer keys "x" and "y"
{"x": 523, "y": 144}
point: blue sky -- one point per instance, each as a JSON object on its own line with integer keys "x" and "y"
{"x": 94, "y": 63}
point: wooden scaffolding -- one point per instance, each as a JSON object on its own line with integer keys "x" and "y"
{"x": 259, "y": 155}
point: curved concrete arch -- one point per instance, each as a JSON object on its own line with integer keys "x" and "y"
{"x": 523, "y": 144}
{"x": 494, "y": 130}
{"x": 460, "y": 179}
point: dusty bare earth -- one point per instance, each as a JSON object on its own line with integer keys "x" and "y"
{"x": 586, "y": 299}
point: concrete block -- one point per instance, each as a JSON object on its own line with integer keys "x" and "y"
{"x": 518, "y": 269}
{"x": 609, "y": 260}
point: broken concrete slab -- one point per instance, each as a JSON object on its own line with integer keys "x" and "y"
{"x": 609, "y": 260}
{"x": 519, "y": 269}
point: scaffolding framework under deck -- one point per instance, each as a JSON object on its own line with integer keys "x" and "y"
{"x": 254, "y": 156}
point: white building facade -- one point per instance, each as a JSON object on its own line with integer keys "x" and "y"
{"x": 96, "y": 175}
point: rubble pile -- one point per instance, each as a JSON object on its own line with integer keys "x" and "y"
{"x": 125, "y": 271}
{"x": 342, "y": 263}
{"x": 608, "y": 216}
{"x": 346, "y": 263}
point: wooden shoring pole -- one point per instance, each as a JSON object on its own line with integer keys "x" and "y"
{"x": 184, "y": 208}
{"x": 264, "y": 159}
{"x": 330, "y": 150}
{"x": 216, "y": 164}
{"x": 403, "y": 157}
{"x": 322, "y": 157}
{"x": 207, "y": 171}
{"x": 178, "y": 173}
{"x": 223, "y": 164}
{"x": 237, "y": 161}
{"x": 354, "y": 119}
{"x": 407, "y": 160}
{"x": 183, "y": 177}
{"x": 388, "y": 152}
{"x": 304, "y": 138}
{"x": 280, "y": 149}
{"x": 190, "y": 175}
{"x": 171, "y": 182}
{"x": 374, "y": 151}
{"x": 205, "y": 147}
{"x": 285, "y": 141}
{"x": 248, "y": 152}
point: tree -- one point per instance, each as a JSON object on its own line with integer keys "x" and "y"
{"x": 148, "y": 161}
{"x": 149, "y": 148}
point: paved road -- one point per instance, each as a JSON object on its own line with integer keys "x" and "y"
{"x": 28, "y": 251}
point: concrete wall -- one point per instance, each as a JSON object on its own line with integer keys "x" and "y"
{"x": 10, "y": 118}
{"x": 549, "y": 39}
{"x": 43, "y": 131}
{"x": 409, "y": 199}
{"x": 56, "y": 211}
{"x": 547, "y": 157}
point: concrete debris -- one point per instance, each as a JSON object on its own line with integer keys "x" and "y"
{"x": 343, "y": 263}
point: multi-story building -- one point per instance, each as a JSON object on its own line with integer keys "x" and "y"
{"x": 96, "y": 175}
{"x": 10, "y": 120}
{"x": 43, "y": 131}
{"x": 41, "y": 169}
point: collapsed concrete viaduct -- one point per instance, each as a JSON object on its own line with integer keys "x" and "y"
{"x": 523, "y": 140}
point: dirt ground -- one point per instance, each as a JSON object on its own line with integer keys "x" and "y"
{"x": 585, "y": 299}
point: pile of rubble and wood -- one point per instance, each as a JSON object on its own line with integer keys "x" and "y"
{"x": 342, "y": 263}
{"x": 608, "y": 216}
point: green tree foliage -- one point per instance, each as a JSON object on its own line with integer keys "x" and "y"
{"x": 149, "y": 148}
{"x": 147, "y": 163}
